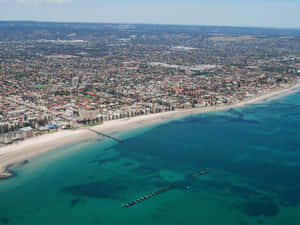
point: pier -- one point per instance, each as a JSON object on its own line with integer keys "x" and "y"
{"x": 106, "y": 135}
{"x": 203, "y": 172}
{"x": 155, "y": 193}
{"x": 151, "y": 195}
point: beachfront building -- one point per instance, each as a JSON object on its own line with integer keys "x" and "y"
{"x": 90, "y": 116}
{"x": 10, "y": 137}
{"x": 27, "y": 132}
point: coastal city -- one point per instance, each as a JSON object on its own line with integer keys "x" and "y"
{"x": 73, "y": 81}
{"x": 149, "y": 112}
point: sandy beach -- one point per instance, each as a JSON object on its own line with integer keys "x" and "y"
{"x": 16, "y": 153}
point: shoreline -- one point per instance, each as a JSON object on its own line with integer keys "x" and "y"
{"x": 19, "y": 153}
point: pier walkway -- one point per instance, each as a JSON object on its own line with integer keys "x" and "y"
{"x": 106, "y": 135}
{"x": 152, "y": 194}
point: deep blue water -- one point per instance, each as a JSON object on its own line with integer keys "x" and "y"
{"x": 252, "y": 155}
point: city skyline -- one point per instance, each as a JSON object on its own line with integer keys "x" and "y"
{"x": 277, "y": 14}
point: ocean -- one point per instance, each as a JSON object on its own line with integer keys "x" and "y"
{"x": 252, "y": 155}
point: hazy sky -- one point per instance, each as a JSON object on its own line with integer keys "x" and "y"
{"x": 263, "y": 13}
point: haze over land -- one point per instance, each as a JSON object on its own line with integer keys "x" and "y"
{"x": 265, "y": 13}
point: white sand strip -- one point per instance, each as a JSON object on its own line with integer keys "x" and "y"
{"x": 32, "y": 147}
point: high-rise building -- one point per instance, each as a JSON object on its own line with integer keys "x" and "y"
{"x": 75, "y": 82}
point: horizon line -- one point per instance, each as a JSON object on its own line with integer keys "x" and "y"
{"x": 163, "y": 24}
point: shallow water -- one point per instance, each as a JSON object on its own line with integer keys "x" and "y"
{"x": 253, "y": 156}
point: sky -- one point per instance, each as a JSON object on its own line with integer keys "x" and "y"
{"x": 255, "y": 13}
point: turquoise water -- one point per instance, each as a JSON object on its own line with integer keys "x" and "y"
{"x": 253, "y": 156}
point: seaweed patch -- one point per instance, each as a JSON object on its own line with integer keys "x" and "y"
{"x": 4, "y": 220}
{"x": 100, "y": 189}
{"x": 74, "y": 202}
{"x": 261, "y": 207}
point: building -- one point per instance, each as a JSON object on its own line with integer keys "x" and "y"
{"x": 27, "y": 132}
{"x": 75, "y": 82}
{"x": 90, "y": 115}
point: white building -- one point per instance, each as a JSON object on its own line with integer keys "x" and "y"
{"x": 75, "y": 82}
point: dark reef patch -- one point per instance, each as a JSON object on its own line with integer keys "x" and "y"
{"x": 102, "y": 161}
{"x": 194, "y": 119}
{"x": 242, "y": 191}
{"x": 260, "y": 221}
{"x": 101, "y": 189}
{"x": 290, "y": 196}
{"x": 237, "y": 190}
{"x": 260, "y": 207}
{"x": 4, "y": 220}
{"x": 282, "y": 180}
{"x": 74, "y": 202}
{"x": 236, "y": 112}
{"x": 127, "y": 164}
{"x": 267, "y": 173}
{"x": 239, "y": 120}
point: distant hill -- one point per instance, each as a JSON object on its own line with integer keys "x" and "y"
{"x": 29, "y": 30}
